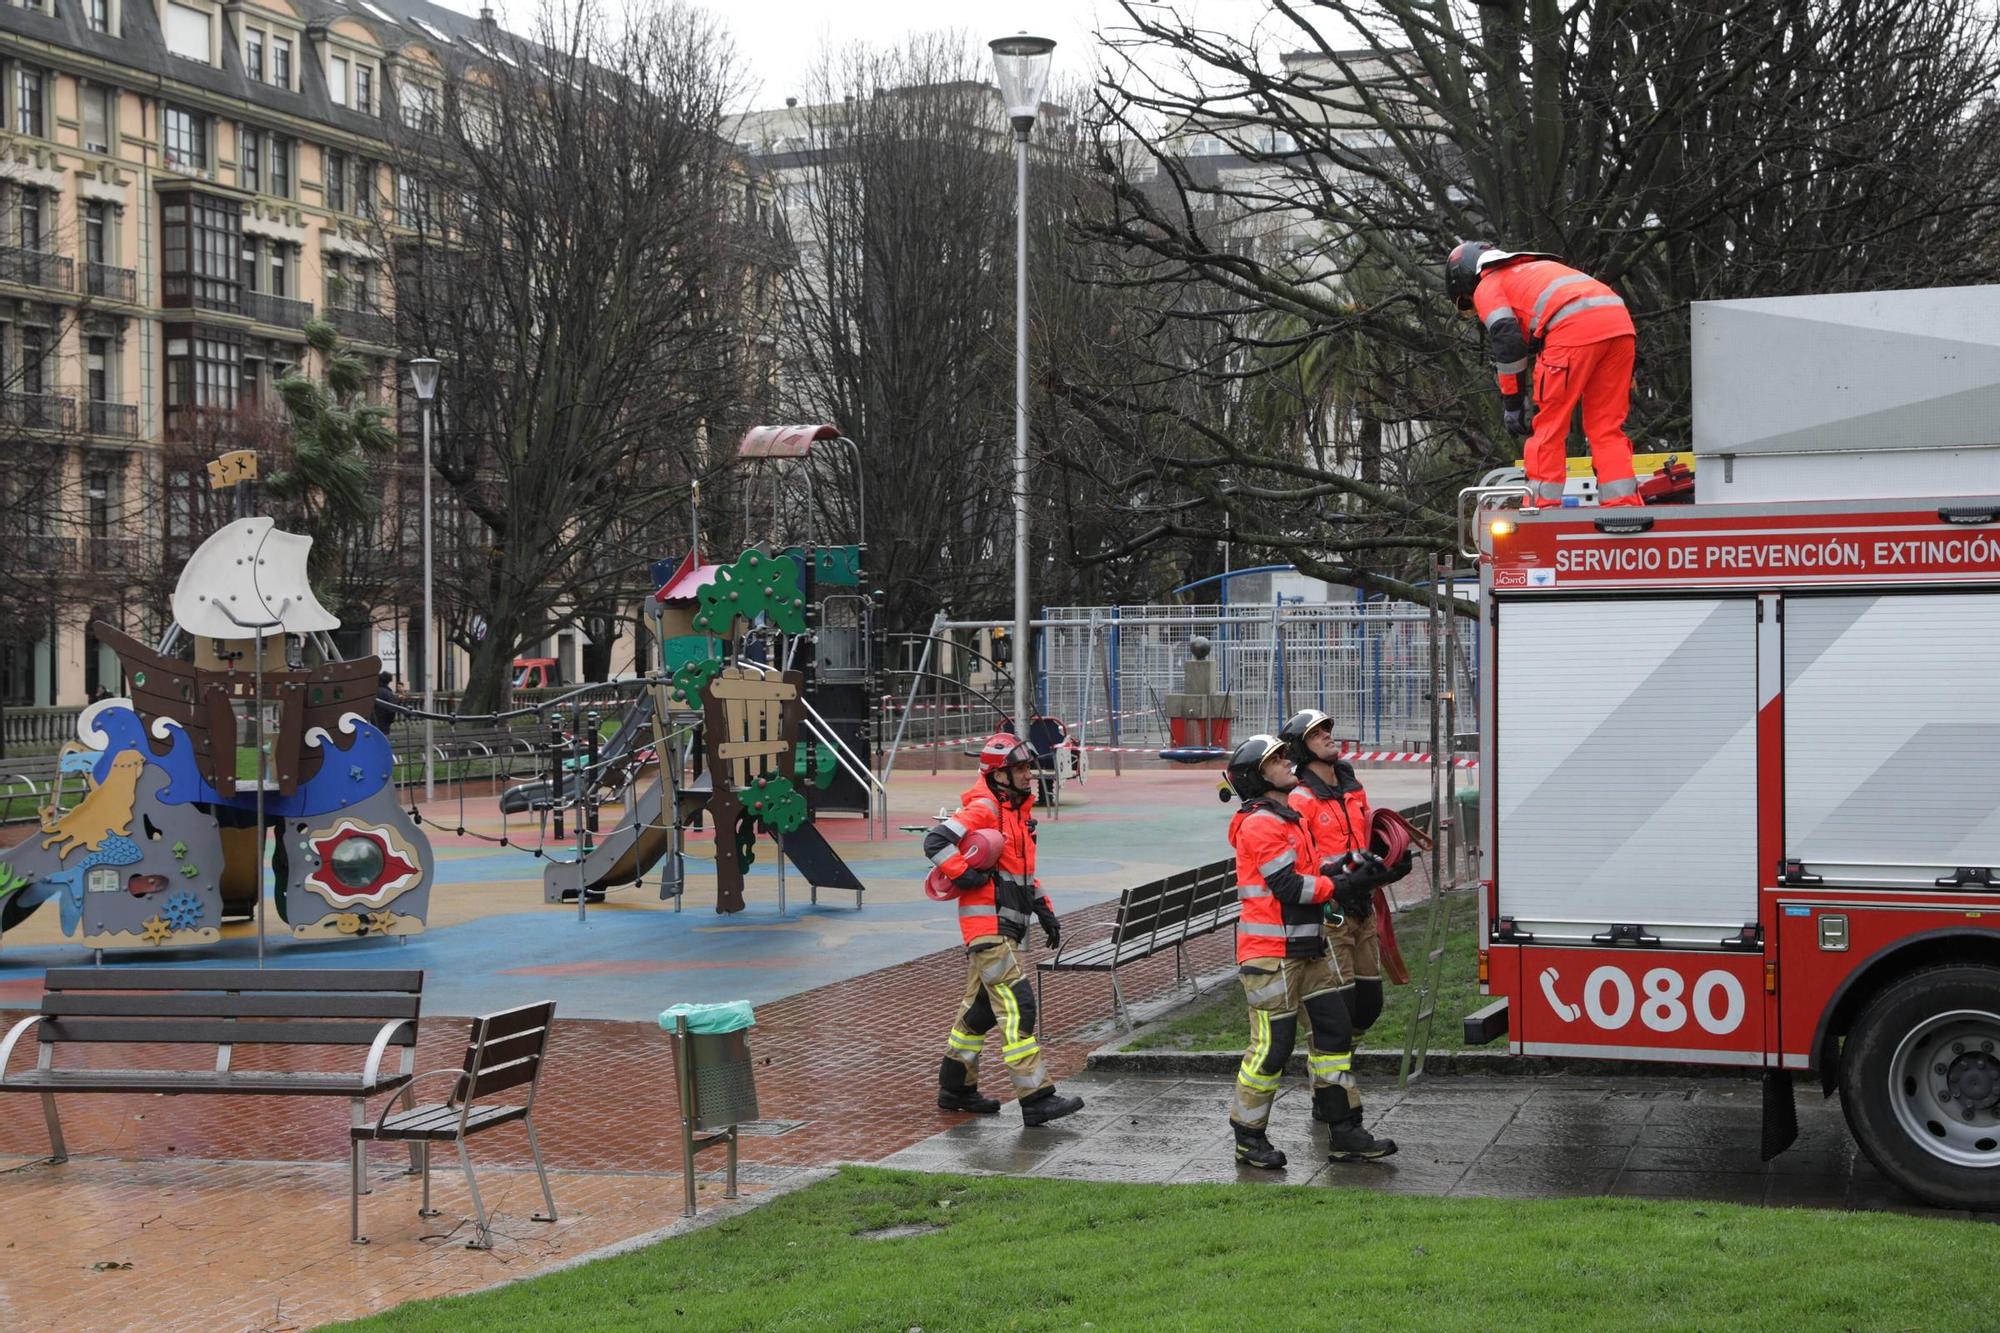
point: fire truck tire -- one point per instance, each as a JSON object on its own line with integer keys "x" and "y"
{"x": 1920, "y": 1084}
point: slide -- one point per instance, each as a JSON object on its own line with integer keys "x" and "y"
{"x": 641, "y": 838}
{"x": 634, "y": 733}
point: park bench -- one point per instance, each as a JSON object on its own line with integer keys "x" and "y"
{"x": 228, "y": 1009}
{"x": 1152, "y": 918}
{"x": 27, "y": 782}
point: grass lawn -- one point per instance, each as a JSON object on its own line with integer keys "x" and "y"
{"x": 1220, "y": 1022}
{"x": 996, "y": 1252}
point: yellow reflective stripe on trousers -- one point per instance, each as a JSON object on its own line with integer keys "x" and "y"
{"x": 964, "y": 1041}
{"x": 1020, "y": 1050}
{"x": 1250, "y": 1073}
{"x": 1010, "y": 1013}
{"x": 1331, "y": 1064}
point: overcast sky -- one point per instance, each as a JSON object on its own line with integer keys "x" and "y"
{"x": 779, "y": 40}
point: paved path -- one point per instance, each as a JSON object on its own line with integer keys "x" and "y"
{"x": 1489, "y": 1137}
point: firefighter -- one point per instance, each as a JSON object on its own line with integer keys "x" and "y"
{"x": 1282, "y": 960}
{"x": 1334, "y": 806}
{"x": 1582, "y": 341}
{"x": 994, "y": 908}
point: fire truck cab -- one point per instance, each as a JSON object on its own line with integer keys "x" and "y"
{"x": 1740, "y": 771}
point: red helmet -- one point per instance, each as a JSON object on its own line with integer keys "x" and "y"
{"x": 1003, "y": 749}
{"x": 980, "y": 848}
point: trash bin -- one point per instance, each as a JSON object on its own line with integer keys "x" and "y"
{"x": 718, "y": 1088}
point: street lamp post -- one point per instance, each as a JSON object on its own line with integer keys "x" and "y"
{"x": 1021, "y": 63}
{"x": 424, "y": 379}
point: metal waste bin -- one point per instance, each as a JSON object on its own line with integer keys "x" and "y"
{"x": 718, "y": 1092}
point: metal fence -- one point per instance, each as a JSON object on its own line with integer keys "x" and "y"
{"x": 1367, "y": 664}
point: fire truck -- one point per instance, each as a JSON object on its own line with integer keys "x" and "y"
{"x": 1740, "y": 780}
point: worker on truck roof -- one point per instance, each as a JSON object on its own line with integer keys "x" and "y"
{"x": 1581, "y": 339}
{"x": 1282, "y": 960}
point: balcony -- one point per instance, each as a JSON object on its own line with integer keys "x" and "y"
{"x": 361, "y": 319}
{"x": 111, "y": 282}
{"x": 37, "y": 268}
{"x": 108, "y": 555}
{"x": 38, "y": 411}
{"x": 116, "y": 420}
{"x": 51, "y": 553}
{"x": 281, "y": 311}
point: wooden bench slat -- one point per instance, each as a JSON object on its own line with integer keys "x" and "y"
{"x": 184, "y": 1031}
{"x": 203, "y": 1004}
{"x": 439, "y": 1122}
{"x": 332, "y": 979}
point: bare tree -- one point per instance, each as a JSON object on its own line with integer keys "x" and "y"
{"x": 1680, "y": 151}
{"x": 579, "y": 244}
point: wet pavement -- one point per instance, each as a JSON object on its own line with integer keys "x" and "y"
{"x": 1488, "y": 1137}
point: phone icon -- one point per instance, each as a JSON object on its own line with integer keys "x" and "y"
{"x": 1566, "y": 1012}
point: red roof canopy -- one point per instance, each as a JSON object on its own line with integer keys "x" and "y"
{"x": 690, "y": 577}
{"x": 783, "y": 441}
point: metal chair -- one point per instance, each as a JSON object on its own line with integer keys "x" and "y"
{"x": 504, "y": 1051}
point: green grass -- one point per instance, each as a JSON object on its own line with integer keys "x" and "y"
{"x": 1052, "y": 1254}
{"x": 1219, "y": 1022}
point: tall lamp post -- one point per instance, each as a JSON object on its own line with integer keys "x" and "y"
{"x": 424, "y": 379}
{"x": 1021, "y": 63}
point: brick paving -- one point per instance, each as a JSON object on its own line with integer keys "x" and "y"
{"x": 854, "y": 1063}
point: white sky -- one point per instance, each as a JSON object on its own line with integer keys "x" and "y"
{"x": 778, "y": 41}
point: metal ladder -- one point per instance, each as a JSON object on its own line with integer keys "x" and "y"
{"x": 1444, "y": 821}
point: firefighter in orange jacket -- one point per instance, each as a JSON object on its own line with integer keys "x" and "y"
{"x": 1582, "y": 341}
{"x": 1334, "y": 805}
{"x": 1282, "y": 960}
{"x": 994, "y": 908}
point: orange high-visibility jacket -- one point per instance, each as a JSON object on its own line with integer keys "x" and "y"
{"x": 1278, "y": 881}
{"x": 1337, "y": 815}
{"x": 1530, "y": 304}
{"x": 1006, "y": 904}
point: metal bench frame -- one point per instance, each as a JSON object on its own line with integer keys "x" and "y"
{"x": 504, "y": 1050}
{"x": 223, "y": 1008}
{"x": 1153, "y": 917}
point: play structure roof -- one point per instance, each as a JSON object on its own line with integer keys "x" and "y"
{"x": 689, "y": 577}
{"x": 783, "y": 441}
{"x": 249, "y": 576}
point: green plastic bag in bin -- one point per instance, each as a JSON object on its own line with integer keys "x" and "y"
{"x": 711, "y": 1019}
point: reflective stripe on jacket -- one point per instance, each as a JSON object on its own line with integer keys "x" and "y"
{"x": 1531, "y": 304}
{"x": 1005, "y": 905}
{"x": 1278, "y": 881}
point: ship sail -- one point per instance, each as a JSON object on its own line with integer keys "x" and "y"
{"x": 249, "y": 576}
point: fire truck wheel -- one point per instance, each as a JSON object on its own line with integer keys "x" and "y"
{"x": 1920, "y": 1084}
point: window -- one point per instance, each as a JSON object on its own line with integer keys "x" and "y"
{"x": 187, "y": 140}
{"x": 29, "y": 87}
{"x": 253, "y": 54}
{"x": 203, "y": 368}
{"x": 29, "y": 219}
{"x": 248, "y": 265}
{"x": 97, "y": 117}
{"x": 249, "y": 159}
{"x": 419, "y": 103}
{"x": 364, "y": 188}
{"x": 279, "y": 269}
{"x": 188, "y": 32}
{"x": 281, "y": 166}
{"x": 336, "y": 79}
{"x": 34, "y": 357}
{"x": 281, "y": 61}
{"x": 96, "y": 233}
{"x": 97, "y": 13}
{"x": 333, "y": 173}
{"x": 364, "y": 89}
{"x": 97, "y": 369}
{"x": 200, "y": 236}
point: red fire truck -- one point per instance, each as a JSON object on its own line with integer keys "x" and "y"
{"x": 1741, "y": 806}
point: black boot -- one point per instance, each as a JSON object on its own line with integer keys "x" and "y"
{"x": 1347, "y": 1141}
{"x": 1038, "y": 1108}
{"x": 1329, "y": 1103}
{"x": 955, "y": 1094}
{"x": 1253, "y": 1149}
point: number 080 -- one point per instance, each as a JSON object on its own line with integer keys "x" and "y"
{"x": 1717, "y": 1001}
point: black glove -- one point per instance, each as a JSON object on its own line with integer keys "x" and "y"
{"x": 1051, "y": 928}
{"x": 973, "y": 878}
{"x": 1354, "y": 877}
{"x": 1401, "y": 870}
{"x": 1520, "y": 420}
{"x": 1033, "y": 824}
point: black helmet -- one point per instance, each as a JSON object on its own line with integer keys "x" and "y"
{"x": 1246, "y": 764}
{"x": 1297, "y": 727}
{"x": 1461, "y": 271}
